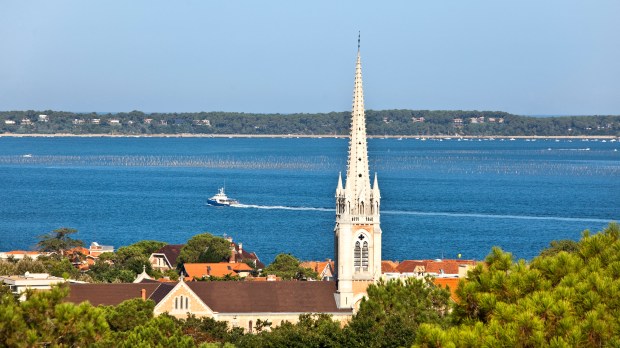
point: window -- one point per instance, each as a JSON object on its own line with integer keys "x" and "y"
{"x": 181, "y": 303}
{"x": 365, "y": 257}
{"x": 360, "y": 254}
{"x": 357, "y": 257}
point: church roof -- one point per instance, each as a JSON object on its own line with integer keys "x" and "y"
{"x": 262, "y": 297}
{"x": 223, "y": 297}
{"x": 109, "y": 294}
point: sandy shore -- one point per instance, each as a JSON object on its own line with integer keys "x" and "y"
{"x": 188, "y": 135}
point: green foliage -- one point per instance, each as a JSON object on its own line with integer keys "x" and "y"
{"x": 556, "y": 246}
{"x": 205, "y": 248}
{"x": 564, "y": 298}
{"x": 286, "y": 266}
{"x": 129, "y": 314}
{"x": 160, "y": 331}
{"x": 204, "y": 330}
{"x": 59, "y": 241}
{"x": 44, "y": 320}
{"x": 394, "y": 311}
{"x": 383, "y": 122}
{"x": 312, "y": 330}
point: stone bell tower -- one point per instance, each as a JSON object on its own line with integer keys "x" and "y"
{"x": 357, "y": 233}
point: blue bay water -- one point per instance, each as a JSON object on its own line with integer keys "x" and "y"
{"x": 439, "y": 198}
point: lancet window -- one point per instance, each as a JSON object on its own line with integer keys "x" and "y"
{"x": 360, "y": 255}
{"x": 181, "y": 303}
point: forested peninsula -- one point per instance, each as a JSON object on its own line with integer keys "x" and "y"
{"x": 379, "y": 123}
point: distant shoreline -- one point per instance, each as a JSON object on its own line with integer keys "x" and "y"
{"x": 191, "y": 135}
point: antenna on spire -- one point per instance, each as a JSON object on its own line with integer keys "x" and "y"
{"x": 359, "y": 34}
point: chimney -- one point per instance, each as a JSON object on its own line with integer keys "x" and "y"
{"x": 241, "y": 249}
{"x": 143, "y": 294}
{"x": 233, "y": 254}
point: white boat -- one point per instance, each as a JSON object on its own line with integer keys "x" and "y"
{"x": 220, "y": 199}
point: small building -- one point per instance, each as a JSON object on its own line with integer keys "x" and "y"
{"x": 26, "y": 122}
{"x": 9, "y": 122}
{"x": 97, "y": 249}
{"x": 165, "y": 258}
{"x": 198, "y": 271}
{"x": 325, "y": 269}
{"x": 418, "y": 119}
{"x": 20, "y": 255}
{"x": 44, "y": 118}
{"x": 438, "y": 268}
{"x": 114, "y": 122}
{"x": 148, "y": 120}
{"x": 35, "y": 281}
{"x": 95, "y": 121}
{"x": 77, "y": 121}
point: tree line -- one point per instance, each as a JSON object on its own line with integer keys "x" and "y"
{"x": 124, "y": 264}
{"x": 383, "y": 122}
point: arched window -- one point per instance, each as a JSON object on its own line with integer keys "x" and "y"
{"x": 357, "y": 257}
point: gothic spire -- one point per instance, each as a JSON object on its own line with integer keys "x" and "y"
{"x": 357, "y": 183}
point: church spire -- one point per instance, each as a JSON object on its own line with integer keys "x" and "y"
{"x": 358, "y": 181}
{"x": 357, "y": 235}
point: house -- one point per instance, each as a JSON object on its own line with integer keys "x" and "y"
{"x": 96, "y": 249}
{"x": 458, "y": 121}
{"x": 26, "y": 122}
{"x": 439, "y": 268}
{"x": 325, "y": 269}
{"x": 36, "y": 281}
{"x": 77, "y": 121}
{"x": 239, "y": 304}
{"x": 196, "y": 271}
{"x": 148, "y": 120}
{"x": 95, "y": 121}
{"x": 20, "y": 255}
{"x": 417, "y": 119}
{"x": 238, "y": 254}
{"x": 448, "y": 283}
{"x": 44, "y": 118}
{"x": 165, "y": 258}
{"x": 114, "y": 122}
{"x": 9, "y": 122}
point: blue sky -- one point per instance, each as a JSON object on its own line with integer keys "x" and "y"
{"x": 526, "y": 57}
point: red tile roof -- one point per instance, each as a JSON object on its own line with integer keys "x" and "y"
{"x": 434, "y": 266}
{"x": 389, "y": 266}
{"x": 317, "y": 266}
{"x": 221, "y": 269}
{"x": 451, "y": 283}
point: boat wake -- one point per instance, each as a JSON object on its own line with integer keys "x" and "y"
{"x": 279, "y": 207}
{"x": 493, "y": 216}
{"x": 421, "y": 213}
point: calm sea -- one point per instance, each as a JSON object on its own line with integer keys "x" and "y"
{"x": 439, "y": 198}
